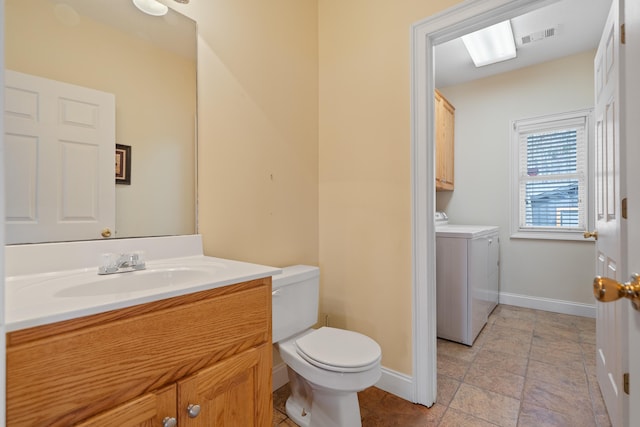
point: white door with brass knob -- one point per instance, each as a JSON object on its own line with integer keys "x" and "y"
{"x": 609, "y": 252}
{"x": 617, "y": 232}
{"x": 632, "y": 110}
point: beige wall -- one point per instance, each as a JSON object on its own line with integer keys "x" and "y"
{"x": 272, "y": 179}
{"x": 258, "y": 129}
{"x": 305, "y": 149}
{"x": 484, "y": 109}
{"x": 365, "y": 162}
{"x": 155, "y": 106}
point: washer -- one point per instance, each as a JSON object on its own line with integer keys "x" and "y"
{"x": 467, "y": 278}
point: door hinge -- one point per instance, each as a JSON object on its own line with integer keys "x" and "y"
{"x": 625, "y": 382}
{"x": 623, "y": 38}
{"x": 624, "y": 208}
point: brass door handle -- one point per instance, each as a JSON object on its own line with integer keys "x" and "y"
{"x": 588, "y": 234}
{"x": 607, "y": 290}
{"x": 106, "y": 233}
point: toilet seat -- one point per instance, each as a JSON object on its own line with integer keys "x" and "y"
{"x": 339, "y": 350}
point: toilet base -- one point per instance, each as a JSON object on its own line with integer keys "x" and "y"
{"x": 313, "y": 406}
{"x": 297, "y": 413}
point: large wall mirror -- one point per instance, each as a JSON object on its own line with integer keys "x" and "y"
{"x": 149, "y": 64}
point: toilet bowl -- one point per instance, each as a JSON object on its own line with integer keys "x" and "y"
{"x": 327, "y": 367}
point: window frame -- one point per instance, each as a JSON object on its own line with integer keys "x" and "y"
{"x": 540, "y": 124}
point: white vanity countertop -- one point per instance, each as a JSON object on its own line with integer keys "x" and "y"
{"x": 44, "y": 297}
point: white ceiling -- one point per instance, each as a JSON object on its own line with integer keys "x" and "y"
{"x": 578, "y": 25}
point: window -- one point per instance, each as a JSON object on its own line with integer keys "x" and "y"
{"x": 550, "y": 183}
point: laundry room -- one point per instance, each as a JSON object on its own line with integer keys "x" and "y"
{"x": 543, "y": 268}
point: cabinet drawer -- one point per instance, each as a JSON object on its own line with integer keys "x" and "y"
{"x": 65, "y": 378}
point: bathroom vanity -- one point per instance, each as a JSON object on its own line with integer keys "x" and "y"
{"x": 195, "y": 355}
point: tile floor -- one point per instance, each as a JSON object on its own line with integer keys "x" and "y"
{"x": 527, "y": 368}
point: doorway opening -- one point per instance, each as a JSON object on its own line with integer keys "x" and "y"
{"x": 451, "y": 24}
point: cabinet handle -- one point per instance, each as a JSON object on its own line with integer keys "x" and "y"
{"x": 193, "y": 410}
{"x": 169, "y": 422}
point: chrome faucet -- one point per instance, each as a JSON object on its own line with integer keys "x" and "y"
{"x": 121, "y": 263}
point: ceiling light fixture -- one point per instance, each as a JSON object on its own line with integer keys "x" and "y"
{"x": 151, "y": 7}
{"x": 490, "y": 45}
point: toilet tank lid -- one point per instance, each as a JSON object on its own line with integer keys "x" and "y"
{"x": 294, "y": 273}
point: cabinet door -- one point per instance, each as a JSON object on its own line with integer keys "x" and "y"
{"x": 444, "y": 127}
{"x": 149, "y": 410}
{"x": 234, "y": 392}
{"x": 447, "y": 137}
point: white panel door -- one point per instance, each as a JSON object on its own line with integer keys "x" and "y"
{"x": 59, "y": 160}
{"x": 632, "y": 172}
{"x": 610, "y": 328}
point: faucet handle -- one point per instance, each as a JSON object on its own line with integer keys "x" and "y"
{"x": 136, "y": 260}
{"x": 108, "y": 263}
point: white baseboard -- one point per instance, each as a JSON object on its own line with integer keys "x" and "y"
{"x": 548, "y": 304}
{"x": 391, "y": 381}
{"x": 280, "y": 376}
{"x": 396, "y": 383}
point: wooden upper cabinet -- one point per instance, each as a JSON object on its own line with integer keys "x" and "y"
{"x": 444, "y": 124}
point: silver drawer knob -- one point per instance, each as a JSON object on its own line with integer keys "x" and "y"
{"x": 169, "y": 422}
{"x": 193, "y": 410}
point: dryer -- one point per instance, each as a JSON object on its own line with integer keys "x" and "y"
{"x": 467, "y": 278}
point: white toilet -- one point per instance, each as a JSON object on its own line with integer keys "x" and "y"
{"x": 327, "y": 366}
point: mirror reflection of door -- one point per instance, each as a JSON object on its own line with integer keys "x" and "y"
{"x": 59, "y": 145}
{"x": 149, "y": 64}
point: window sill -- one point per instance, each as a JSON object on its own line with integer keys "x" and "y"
{"x": 574, "y": 236}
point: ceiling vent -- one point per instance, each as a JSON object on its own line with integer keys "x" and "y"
{"x": 539, "y": 35}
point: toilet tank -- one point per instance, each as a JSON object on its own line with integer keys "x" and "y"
{"x": 294, "y": 300}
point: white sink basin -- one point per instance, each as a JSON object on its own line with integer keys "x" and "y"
{"x": 85, "y": 285}
{"x": 48, "y": 283}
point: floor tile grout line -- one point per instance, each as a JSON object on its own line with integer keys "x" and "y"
{"x": 526, "y": 371}
{"x": 589, "y": 387}
{"x": 592, "y": 389}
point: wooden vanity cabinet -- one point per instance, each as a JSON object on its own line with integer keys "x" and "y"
{"x": 142, "y": 365}
{"x": 444, "y": 127}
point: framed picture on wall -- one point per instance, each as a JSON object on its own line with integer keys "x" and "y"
{"x": 123, "y": 164}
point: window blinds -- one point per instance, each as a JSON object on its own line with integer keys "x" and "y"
{"x": 553, "y": 175}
